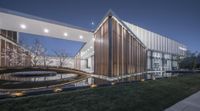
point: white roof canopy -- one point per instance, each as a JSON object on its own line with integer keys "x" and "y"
{"x": 15, "y": 21}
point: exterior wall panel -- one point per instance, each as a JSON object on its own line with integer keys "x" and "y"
{"x": 128, "y": 55}
{"x": 157, "y": 42}
{"x": 10, "y": 56}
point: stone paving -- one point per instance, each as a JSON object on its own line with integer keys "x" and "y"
{"x": 191, "y": 103}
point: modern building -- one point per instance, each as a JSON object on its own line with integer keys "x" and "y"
{"x": 12, "y": 54}
{"x": 115, "y": 48}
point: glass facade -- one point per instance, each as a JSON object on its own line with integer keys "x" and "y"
{"x": 157, "y": 61}
{"x": 11, "y": 35}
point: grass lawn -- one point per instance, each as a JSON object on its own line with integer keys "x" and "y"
{"x": 143, "y": 96}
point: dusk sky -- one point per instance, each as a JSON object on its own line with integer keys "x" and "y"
{"x": 176, "y": 19}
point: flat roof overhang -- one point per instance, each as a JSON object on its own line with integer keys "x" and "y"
{"x": 20, "y": 22}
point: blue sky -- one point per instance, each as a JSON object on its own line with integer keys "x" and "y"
{"x": 176, "y": 19}
{"x": 52, "y": 44}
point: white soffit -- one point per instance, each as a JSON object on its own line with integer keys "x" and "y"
{"x": 37, "y": 27}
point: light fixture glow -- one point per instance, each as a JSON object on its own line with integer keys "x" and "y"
{"x": 23, "y": 26}
{"x": 46, "y": 30}
{"x": 93, "y": 39}
{"x": 182, "y": 48}
{"x": 81, "y": 37}
{"x": 65, "y": 34}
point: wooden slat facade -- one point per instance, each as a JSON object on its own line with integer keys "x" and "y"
{"x": 127, "y": 55}
{"x": 101, "y": 47}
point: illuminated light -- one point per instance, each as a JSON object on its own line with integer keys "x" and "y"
{"x": 93, "y": 86}
{"x": 65, "y": 34}
{"x": 112, "y": 83}
{"x": 81, "y": 37}
{"x": 17, "y": 94}
{"x": 93, "y": 39}
{"x": 91, "y": 47}
{"x": 46, "y": 30}
{"x": 182, "y": 48}
{"x": 23, "y": 26}
{"x": 142, "y": 80}
{"x": 56, "y": 90}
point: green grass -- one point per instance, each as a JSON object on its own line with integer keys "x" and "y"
{"x": 143, "y": 96}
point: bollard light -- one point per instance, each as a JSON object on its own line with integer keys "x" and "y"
{"x": 142, "y": 80}
{"x": 93, "y": 86}
{"x": 112, "y": 83}
{"x": 17, "y": 94}
{"x": 57, "y": 90}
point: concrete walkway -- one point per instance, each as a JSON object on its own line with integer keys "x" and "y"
{"x": 191, "y": 103}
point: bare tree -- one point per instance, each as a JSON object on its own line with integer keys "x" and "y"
{"x": 45, "y": 58}
{"x": 37, "y": 50}
{"x": 62, "y": 56}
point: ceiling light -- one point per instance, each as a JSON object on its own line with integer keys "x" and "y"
{"x": 93, "y": 39}
{"x": 65, "y": 34}
{"x": 46, "y": 30}
{"x": 81, "y": 37}
{"x": 182, "y": 48}
{"x": 23, "y": 26}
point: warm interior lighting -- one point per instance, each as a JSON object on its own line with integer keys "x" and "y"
{"x": 46, "y": 30}
{"x": 65, "y": 34}
{"x": 23, "y": 26}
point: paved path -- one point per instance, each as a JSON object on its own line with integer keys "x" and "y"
{"x": 191, "y": 103}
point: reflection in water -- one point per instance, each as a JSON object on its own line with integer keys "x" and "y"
{"x": 85, "y": 82}
{"x": 146, "y": 76}
{"x": 160, "y": 75}
{"x": 37, "y": 77}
